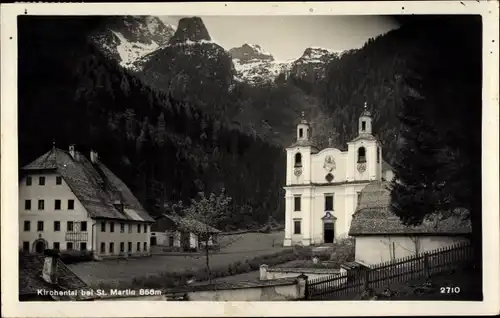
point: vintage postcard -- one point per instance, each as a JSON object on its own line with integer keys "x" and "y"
{"x": 258, "y": 159}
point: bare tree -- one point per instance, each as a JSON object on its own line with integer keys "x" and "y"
{"x": 211, "y": 211}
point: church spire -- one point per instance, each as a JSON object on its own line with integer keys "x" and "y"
{"x": 303, "y": 128}
{"x": 365, "y": 121}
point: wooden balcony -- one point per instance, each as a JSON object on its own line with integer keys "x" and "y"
{"x": 77, "y": 236}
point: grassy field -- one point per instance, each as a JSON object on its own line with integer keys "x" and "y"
{"x": 247, "y": 246}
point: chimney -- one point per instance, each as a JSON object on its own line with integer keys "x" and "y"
{"x": 49, "y": 272}
{"x": 72, "y": 151}
{"x": 119, "y": 205}
{"x": 94, "y": 157}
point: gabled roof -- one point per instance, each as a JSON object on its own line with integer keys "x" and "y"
{"x": 95, "y": 186}
{"x": 189, "y": 224}
{"x": 30, "y": 278}
{"x": 374, "y": 216}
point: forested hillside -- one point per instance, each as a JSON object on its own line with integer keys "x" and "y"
{"x": 160, "y": 147}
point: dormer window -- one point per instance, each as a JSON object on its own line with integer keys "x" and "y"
{"x": 361, "y": 155}
{"x": 298, "y": 160}
{"x": 301, "y": 133}
{"x": 363, "y": 125}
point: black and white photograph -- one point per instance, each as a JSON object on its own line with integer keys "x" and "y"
{"x": 251, "y": 158}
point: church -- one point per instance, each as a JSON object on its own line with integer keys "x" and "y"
{"x": 323, "y": 186}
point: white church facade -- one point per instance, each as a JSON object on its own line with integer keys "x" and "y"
{"x": 322, "y": 187}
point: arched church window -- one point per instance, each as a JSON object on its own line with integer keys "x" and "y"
{"x": 361, "y": 154}
{"x": 307, "y": 133}
{"x": 298, "y": 160}
{"x": 363, "y": 125}
{"x": 301, "y": 133}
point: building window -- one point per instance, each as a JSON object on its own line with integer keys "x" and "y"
{"x": 57, "y": 226}
{"x": 296, "y": 227}
{"x": 28, "y": 180}
{"x": 145, "y": 246}
{"x": 378, "y": 155}
{"x": 138, "y": 228}
{"x": 122, "y": 247}
{"x": 361, "y": 155}
{"x": 26, "y": 247}
{"x": 41, "y": 204}
{"x": 171, "y": 240}
{"x": 27, "y": 204}
{"x": 39, "y": 226}
{"x": 57, "y": 204}
{"x": 301, "y": 133}
{"x": 130, "y": 228}
{"x": 111, "y": 247}
{"x": 329, "y": 202}
{"x": 58, "y": 180}
{"x": 296, "y": 203}
{"x": 129, "y": 246}
{"x": 298, "y": 160}
{"x": 69, "y": 245}
{"x": 56, "y": 246}
{"x": 145, "y": 228}
{"x": 111, "y": 227}
{"x": 27, "y": 226}
{"x": 363, "y": 125}
{"x": 138, "y": 246}
{"x": 83, "y": 226}
{"x": 103, "y": 247}
{"x": 83, "y": 246}
{"x": 69, "y": 226}
{"x": 71, "y": 204}
{"x": 41, "y": 181}
{"x": 122, "y": 227}
{"x": 103, "y": 226}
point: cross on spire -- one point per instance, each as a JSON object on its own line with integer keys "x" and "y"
{"x": 303, "y": 115}
{"x": 366, "y": 105}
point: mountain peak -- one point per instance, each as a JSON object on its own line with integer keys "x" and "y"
{"x": 250, "y": 52}
{"x": 190, "y": 29}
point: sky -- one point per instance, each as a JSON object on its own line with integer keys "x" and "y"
{"x": 286, "y": 37}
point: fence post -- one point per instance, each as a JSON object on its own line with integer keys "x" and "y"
{"x": 306, "y": 289}
{"x": 426, "y": 265}
{"x": 367, "y": 279}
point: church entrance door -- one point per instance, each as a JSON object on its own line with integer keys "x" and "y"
{"x": 328, "y": 233}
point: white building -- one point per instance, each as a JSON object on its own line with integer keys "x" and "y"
{"x": 68, "y": 202}
{"x": 173, "y": 231}
{"x": 322, "y": 187}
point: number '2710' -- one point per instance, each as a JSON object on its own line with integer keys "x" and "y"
{"x": 450, "y": 290}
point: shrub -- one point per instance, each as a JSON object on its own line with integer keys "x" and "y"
{"x": 76, "y": 256}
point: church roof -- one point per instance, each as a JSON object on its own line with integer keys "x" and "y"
{"x": 364, "y": 137}
{"x": 303, "y": 143}
{"x": 374, "y": 216}
{"x": 95, "y": 186}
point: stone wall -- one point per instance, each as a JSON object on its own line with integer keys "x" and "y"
{"x": 272, "y": 273}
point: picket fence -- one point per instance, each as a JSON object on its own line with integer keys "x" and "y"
{"x": 378, "y": 276}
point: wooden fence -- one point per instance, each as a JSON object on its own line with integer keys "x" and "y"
{"x": 401, "y": 270}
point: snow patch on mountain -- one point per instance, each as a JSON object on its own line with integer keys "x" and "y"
{"x": 130, "y": 52}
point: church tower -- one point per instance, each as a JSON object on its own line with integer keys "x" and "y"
{"x": 364, "y": 152}
{"x": 299, "y": 154}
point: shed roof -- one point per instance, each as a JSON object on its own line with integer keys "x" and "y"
{"x": 189, "y": 224}
{"x": 30, "y": 280}
{"x": 374, "y": 216}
